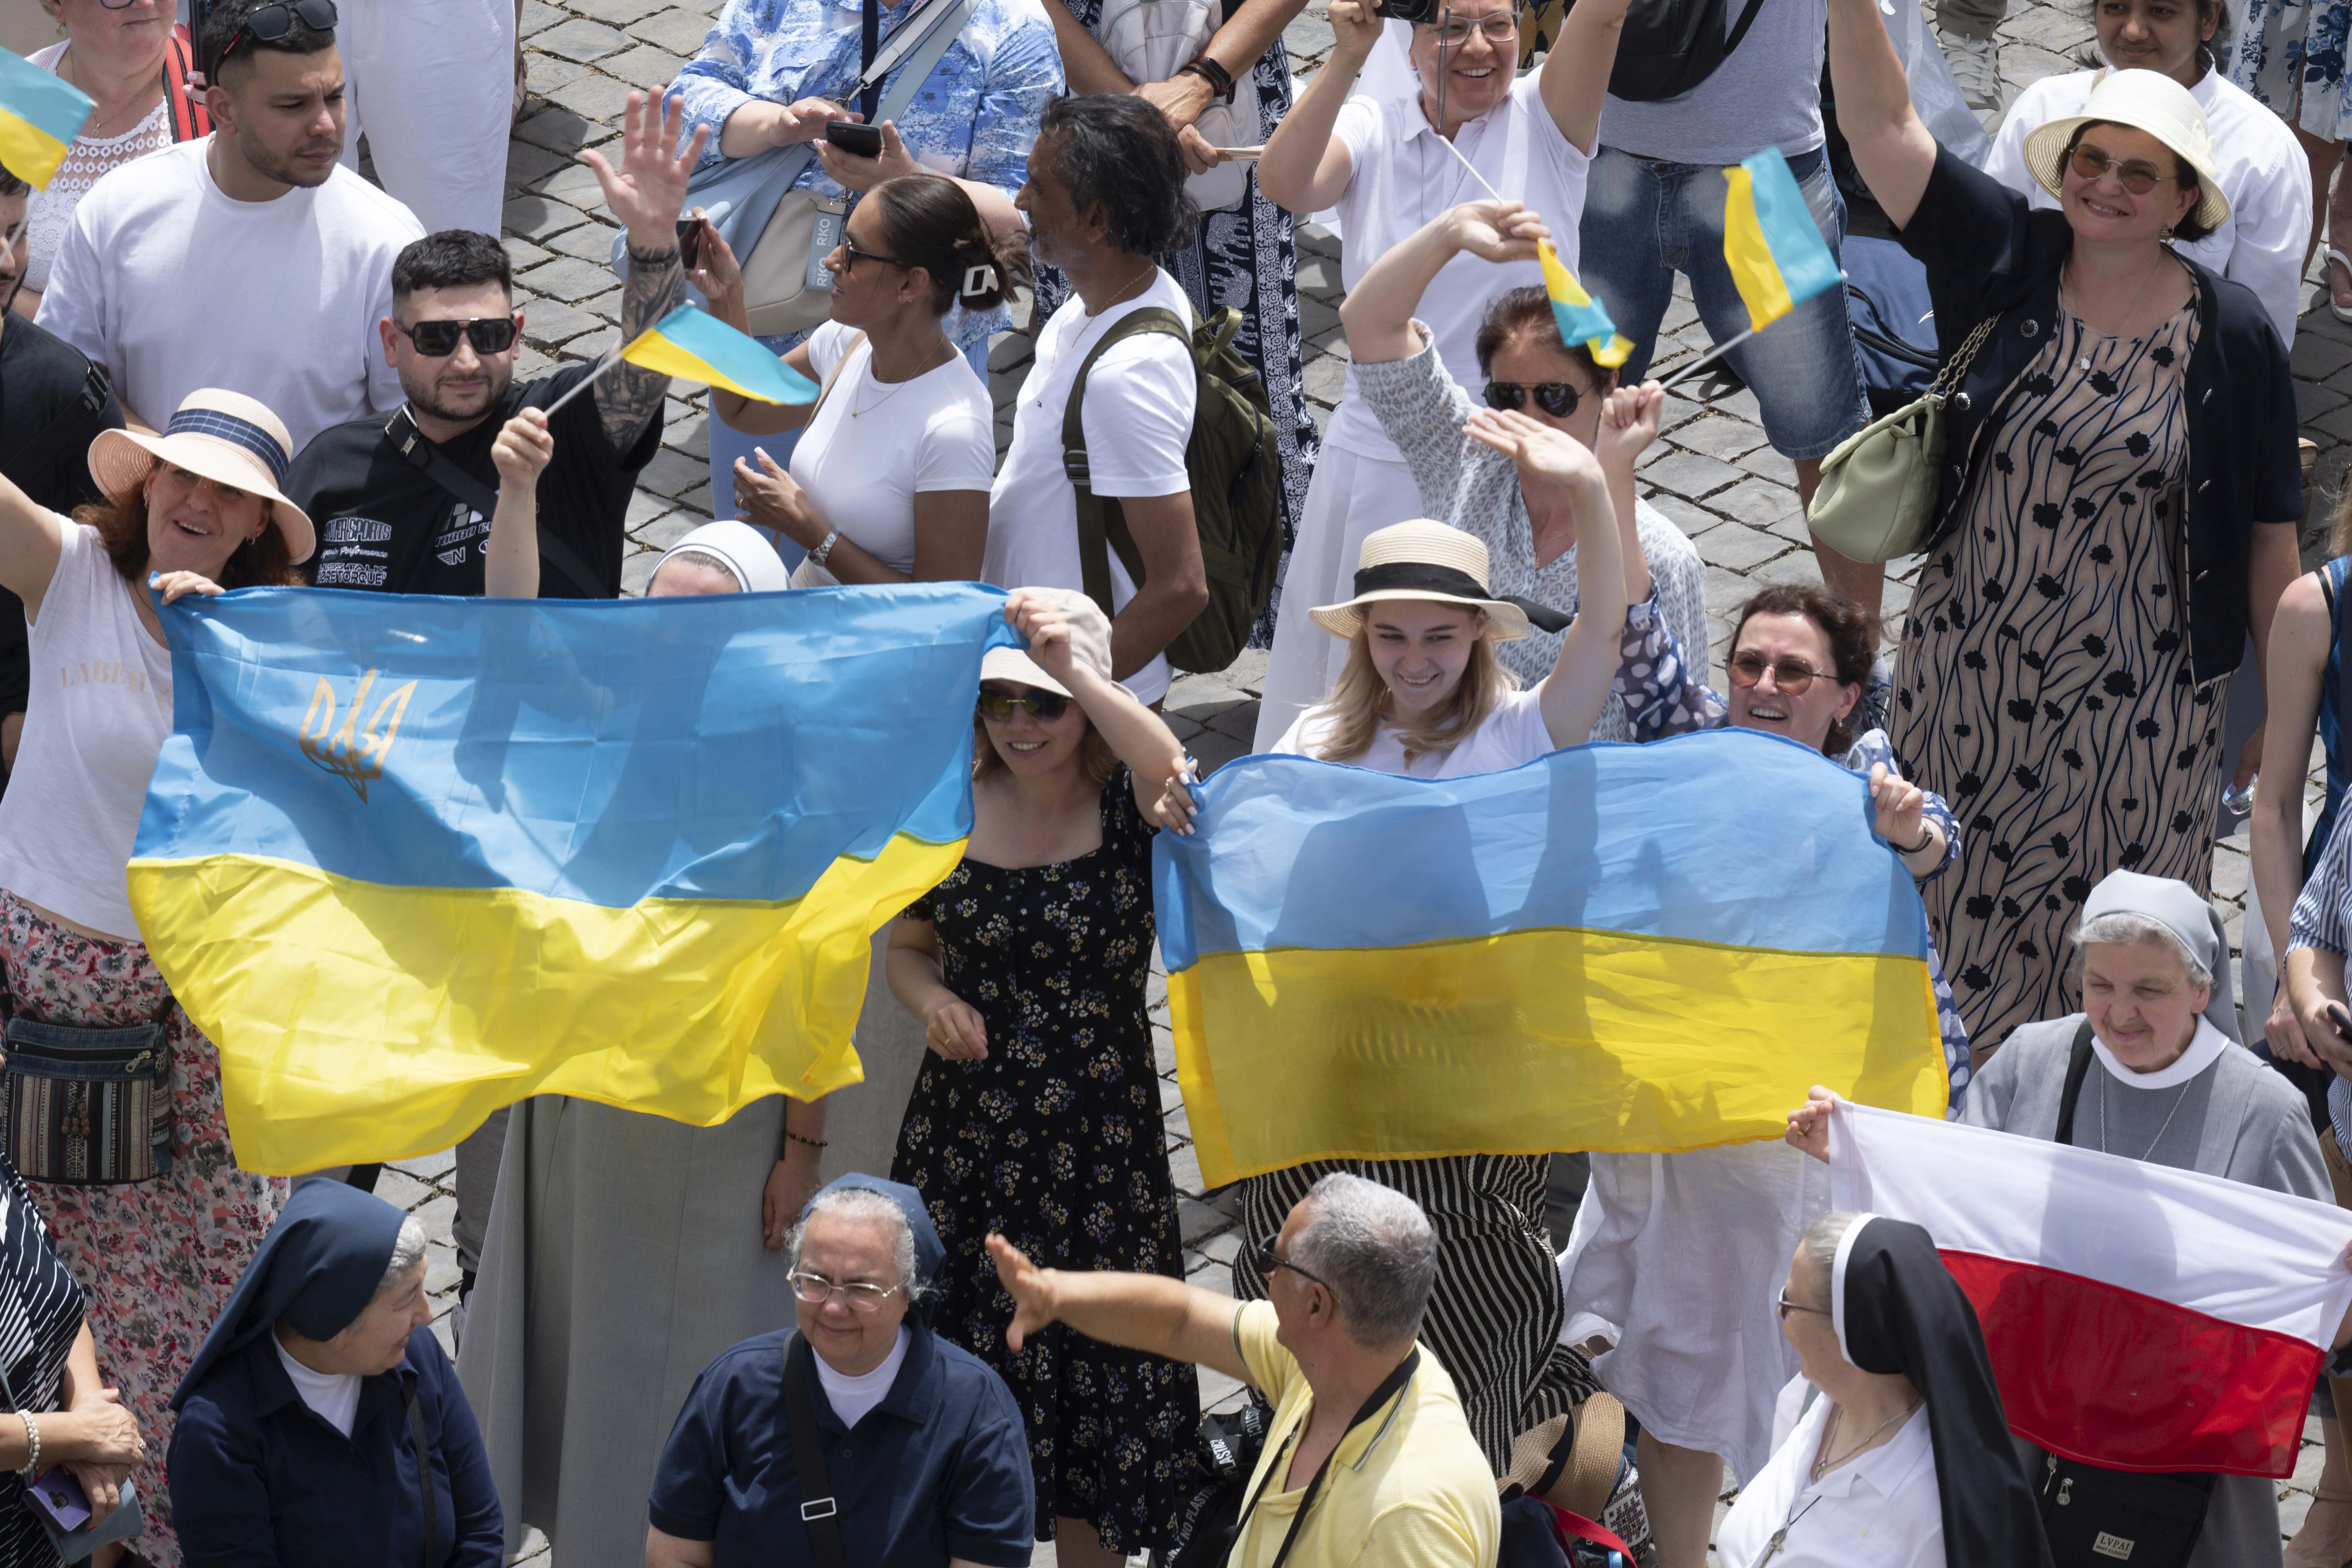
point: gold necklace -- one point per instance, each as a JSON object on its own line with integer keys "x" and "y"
{"x": 68, "y": 72}
{"x": 896, "y": 387}
{"x": 1148, "y": 269}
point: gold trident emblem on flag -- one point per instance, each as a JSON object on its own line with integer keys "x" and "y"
{"x": 354, "y": 755}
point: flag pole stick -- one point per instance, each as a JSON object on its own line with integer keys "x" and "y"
{"x": 1471, "y": 167}
{"x": 591, "y": 379}
{"x": 1711, "y": 355}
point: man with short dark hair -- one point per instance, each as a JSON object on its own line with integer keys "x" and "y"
{"x": 403, "y": 505}
{"x": 53, "y": 404}
{"x": 245, "y": 260}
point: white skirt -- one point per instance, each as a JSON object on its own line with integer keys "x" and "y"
{"x": 1350, "y": 496}
{"x": 1676, "y": 1259}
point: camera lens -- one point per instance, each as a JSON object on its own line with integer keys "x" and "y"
{"x": 1415, "y": 11}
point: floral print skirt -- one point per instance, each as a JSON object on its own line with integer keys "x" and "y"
{"x": 157, "y": 1260}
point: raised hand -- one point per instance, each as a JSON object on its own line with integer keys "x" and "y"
{"x": 1629, "y": 423}
{"x": 1899, "y": 805}
{"x": 1808, "y": 1124}
{"x": 719, "y": 275}
{"x": 1031, "y": 1287}
{"x": 523, "y": 449}
{"x": 1355, "y": 27}
{"x": 1496, "y": 230}
{"x": 1175, "y": 808}
{"x": 647, "y": 192}
{"x": 1545, "y": 456}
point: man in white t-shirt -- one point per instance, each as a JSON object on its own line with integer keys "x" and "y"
{"x": 247, "y": 259}
{"x": 1105, "y": 196}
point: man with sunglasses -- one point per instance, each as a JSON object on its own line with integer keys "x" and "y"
{"x": 404, "y": 504}
{"x": 247, "y": 260}
{"x": 1369, "y": 1460}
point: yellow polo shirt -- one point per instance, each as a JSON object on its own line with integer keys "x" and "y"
{"x": 1409, "y": 1489}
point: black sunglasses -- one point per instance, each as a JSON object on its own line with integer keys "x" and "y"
{"x": 270, "y": 23}
{"x": 856, "y": 256}
{"x": 1269, "y": 1260}
{"x": 1047, "y": 706}
{"x": 438, "y": 340}
{"x": 1556, "y": 398}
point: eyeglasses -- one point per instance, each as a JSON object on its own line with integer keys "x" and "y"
{"x": 1556, "y": 398}
{"x": 856, "y": 256}
{"x": 862, "y": 1295}
{"x": 438, "y": 340}
{"x": 1788, "y": 1307}
{"x": 1269, "y": 1260}
{"x": 2136, "y": 176}
{"x": 1501, "y": 28}
{"x": 1046, "y": 706}
{"x": 1790, "y": 675}
{"x": 270, "y": 23}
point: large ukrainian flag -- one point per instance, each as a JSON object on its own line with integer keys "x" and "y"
{"x": 1615, "y": 947}
{"x": 409, "y": 859}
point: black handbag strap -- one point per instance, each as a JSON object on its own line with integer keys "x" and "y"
{"x": 820, "y": 1514}
{"x": 869, "y": 93}
{"x": 1391, "y": 1387}
{"x": 423, "y": 1478}
{"x": 411, "y": 443}
{"x": 2078, "y": 1068}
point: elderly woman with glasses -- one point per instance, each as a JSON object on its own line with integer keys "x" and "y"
{"x": 858, "y": 1436}
{"x": 1673, "y": 1254}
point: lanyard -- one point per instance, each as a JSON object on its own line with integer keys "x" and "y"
{"x": 1389, "y": 1386}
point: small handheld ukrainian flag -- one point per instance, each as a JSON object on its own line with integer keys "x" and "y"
{"x": 1580, "y": 316}
{"x": 697, "y": 346}
{"x": 1776, "y": 253}
{"x": 40, "y": 114}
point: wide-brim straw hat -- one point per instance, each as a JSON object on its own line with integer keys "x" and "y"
{"x": 1423, "y": 560}
{"x": 224, "y": 436}
{"x": 1571, "y": 1461}
{"x": 2146, "y": 100}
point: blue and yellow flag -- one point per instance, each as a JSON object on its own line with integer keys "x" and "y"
{"x": 40, "y": 114}
{"x": 408, "y": 860}
{"x": 1778, "y": 257}
{"x": 1581, "y": 318}
{"x": 1595, "y": 951}
{"x": 696, "y": 345}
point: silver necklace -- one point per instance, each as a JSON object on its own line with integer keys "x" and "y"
{"x": 1823, "y": 1463}
{"x": 2159, "y": 1132}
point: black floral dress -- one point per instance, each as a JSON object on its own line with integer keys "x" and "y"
{"x": 1055, "y": 1142}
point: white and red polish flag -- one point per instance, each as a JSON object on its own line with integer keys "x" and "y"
{"x": 2138, "y": 1316}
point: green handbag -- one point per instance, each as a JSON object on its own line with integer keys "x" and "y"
{"x": 1877, "y": 500}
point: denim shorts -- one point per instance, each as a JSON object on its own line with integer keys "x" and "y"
{"x": 1645, "y": 220}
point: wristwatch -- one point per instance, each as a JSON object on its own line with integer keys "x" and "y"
{"x": 823, "y": 551}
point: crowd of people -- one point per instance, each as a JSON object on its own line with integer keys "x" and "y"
{"x": 942, "y": 1316}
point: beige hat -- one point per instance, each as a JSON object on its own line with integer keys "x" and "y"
{"x": 1571, "y": 1461}
{"x": 1089, "y": 644}
{"x": 2144, "y": 101}
{"x": 1423, "y": 560}
{"x": 225, "y": 436}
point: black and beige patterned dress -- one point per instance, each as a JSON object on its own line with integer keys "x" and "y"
{"x": 2046, "y": 689}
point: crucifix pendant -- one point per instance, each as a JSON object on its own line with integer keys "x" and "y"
{"x": 1772, "y": 1547}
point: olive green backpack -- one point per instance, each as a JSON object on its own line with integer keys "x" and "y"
{"x": 1235, "y": 470}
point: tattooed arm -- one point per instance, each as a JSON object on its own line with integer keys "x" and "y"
{"x": 646, "y": 193}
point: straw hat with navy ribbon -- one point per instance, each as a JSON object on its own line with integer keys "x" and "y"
{"x": 2144, "y": 101}
{"x": 1426, "y": 560}
{"x": 224, "y": 436}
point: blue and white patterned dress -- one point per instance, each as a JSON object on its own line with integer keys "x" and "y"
{"x": 974, "y": 117}
{"x": 2289, "y": 55}
{"x": 1662, "y": 698}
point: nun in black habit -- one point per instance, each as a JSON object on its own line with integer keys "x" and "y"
{"x": 318, "y": 1401}
{"x": 1903, "y": 1458}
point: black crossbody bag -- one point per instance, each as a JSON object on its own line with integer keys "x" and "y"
{"x": 2097, "y": 1517}
{"x": 820, "y": 1513}
{"x": 456, "y": 482}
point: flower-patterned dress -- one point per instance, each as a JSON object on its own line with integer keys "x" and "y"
{"x": 1053, "y": 1141}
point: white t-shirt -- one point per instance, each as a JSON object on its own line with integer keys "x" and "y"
{"x": 335, "y": 1395}
{"x": 171, "y": 286}
{"x": 873, "y": 445}
{"x": 1401, "y": 176}
{"x": 2262, "y": 172}
{"x": 852, "y": 1397}
{"x": 99, "y": 709}
{"x": 1513, "y": 733}
{"x": 1137, "y": 418}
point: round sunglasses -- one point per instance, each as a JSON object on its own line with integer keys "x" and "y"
{"x": 438, "y": 340}
{"x": 1790, "y": 675}
{"x": 1556, "y": 398}
{"x": 2136, "y": 176}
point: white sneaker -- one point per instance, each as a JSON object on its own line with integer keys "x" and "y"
{"x": 1975, "y": 65}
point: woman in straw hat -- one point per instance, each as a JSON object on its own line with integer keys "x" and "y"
{"x": 1037, "y": 1111}
{"x": 2117, "y": 511}
{"x": 1421, "y": 693}
{"x": 192, "y": 510}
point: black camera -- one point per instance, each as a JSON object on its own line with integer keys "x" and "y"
{"x": 1417, "y": 12}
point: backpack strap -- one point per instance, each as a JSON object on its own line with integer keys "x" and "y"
{"x": 2078, "y": 1068}
{"x": 1102, "y": 523}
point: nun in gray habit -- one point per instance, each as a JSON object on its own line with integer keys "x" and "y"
{"x": 2158, "y": 1073}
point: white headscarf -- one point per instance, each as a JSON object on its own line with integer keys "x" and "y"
{"x": 756, "y": 566}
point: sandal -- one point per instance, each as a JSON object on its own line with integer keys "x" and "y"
{"x": 2336, "y": 259}
{"x": 522, "y": 98}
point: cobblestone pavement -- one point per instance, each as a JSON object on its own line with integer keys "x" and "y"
{"x": 1712, "y": 473}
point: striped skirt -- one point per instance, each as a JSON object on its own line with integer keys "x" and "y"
{"x": 1495, "y": 1317}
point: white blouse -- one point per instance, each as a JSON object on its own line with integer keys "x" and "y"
{"x": 1881, "y": 1511}
{"x": 50, "y": 211}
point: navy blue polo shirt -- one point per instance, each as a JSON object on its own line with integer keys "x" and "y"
{"x": 939, "y": 1469}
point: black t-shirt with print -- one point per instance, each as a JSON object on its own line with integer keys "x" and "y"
{"x": 46, "y": 430}
{"x": 384, "y": 525}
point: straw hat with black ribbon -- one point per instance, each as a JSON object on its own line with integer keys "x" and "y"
{"x": 1423, "y": 559}
{"x": 1571, "y": 1461}
{"x": 2144, "y": 101}
{"x": 224, "y": 436}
